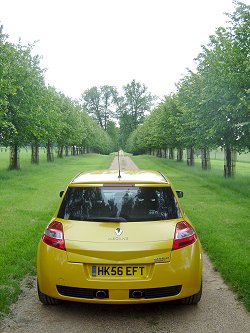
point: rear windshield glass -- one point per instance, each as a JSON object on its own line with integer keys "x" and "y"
{"x": 113, "y": 203}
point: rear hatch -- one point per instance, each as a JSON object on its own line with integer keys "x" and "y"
{"x": 114, "y": 242}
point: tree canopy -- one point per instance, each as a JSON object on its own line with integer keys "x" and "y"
{"x": 210, "y": 107}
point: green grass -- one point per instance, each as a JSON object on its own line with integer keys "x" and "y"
{"x": 28, "y": 199}
{"x": 219, "y": 210}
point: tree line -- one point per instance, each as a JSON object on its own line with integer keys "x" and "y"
{"x": 211, "y": 106}
{"x": 33, "y": 114}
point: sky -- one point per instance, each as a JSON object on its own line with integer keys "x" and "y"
{"x": 86, "y": 43}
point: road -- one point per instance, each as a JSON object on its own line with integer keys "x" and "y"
{"x": 219, "y": 311}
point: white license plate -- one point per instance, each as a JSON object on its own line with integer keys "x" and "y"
{"x": 118, "y": 271}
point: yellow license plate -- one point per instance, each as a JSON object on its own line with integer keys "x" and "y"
{"x": 118, "y": 271}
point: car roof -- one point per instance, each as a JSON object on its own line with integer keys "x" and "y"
{"x": 126, "y": 177}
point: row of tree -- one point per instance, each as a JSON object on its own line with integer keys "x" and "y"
{"x": 211, "y": 107}
{"x": 32, "y": 113}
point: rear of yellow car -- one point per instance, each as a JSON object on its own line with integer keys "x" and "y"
{"x": 119, "y": 243}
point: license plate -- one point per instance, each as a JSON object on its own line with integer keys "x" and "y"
{"x": 118, "y": 271}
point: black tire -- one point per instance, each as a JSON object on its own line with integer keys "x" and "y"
{"x": 194, "y": 299}
{"x": 47, "y": 300}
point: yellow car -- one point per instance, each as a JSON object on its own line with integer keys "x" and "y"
{"x": 119, "y": 239}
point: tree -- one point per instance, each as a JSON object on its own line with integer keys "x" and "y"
{"x": 92, "y": 104}
{"x": 99, "y": 104}
{"x": 136, "y": 103}
{"x": 126, "y": 128}
{"x": 107, "y": 93}
{"x": 113, "y": 131}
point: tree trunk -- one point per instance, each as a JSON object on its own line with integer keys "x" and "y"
{"x": 50, "y": 156}
{"x": 60, "y": 152}
{"x": 171, "y": 153}
{"x": 14, "y": 158}
{"x": 163, "y": 152}
{"x": 67, "y": 151}
{"x": 74, "y": 152}
{"x": 179, "y": 154}
{"x": 35, "y": 153}
{"x": 190, "y": 156}
{"x": 229, "y": 162}
{"x": 205, "y": 158}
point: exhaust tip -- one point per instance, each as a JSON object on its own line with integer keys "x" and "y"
{"x": 137, "y": 294}
{"x": 101, "y": 294}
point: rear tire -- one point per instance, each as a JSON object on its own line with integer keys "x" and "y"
{"x": 194, "y": 299}
{"x": 47, "y": 300}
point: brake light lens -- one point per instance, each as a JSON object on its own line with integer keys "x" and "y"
{"x": 184, "y": 235}
{"x": 53, "y": 235}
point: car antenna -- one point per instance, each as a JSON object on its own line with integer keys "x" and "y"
{"x": 119, "y": 166}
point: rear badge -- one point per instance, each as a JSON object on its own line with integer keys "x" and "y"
{"x": 118, "y": 231}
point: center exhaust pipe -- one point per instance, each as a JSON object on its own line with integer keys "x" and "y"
{"x": 101, "y": 294}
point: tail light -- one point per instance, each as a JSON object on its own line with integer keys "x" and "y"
{"x": 53, "y": 235}
{"x": 184, "y": 235}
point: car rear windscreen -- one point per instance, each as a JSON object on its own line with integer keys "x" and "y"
{"x": 119, "y": 203}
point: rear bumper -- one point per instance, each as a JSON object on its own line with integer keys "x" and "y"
{"x": 179, "y": 278}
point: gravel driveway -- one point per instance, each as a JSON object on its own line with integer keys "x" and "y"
{"x": 218, "y": 311}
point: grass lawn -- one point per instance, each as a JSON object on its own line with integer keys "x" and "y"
{"x": 219, "y": 210}
{"x": 28, "y": 199}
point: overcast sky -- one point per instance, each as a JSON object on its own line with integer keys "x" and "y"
{"x": 96, "y": 42}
